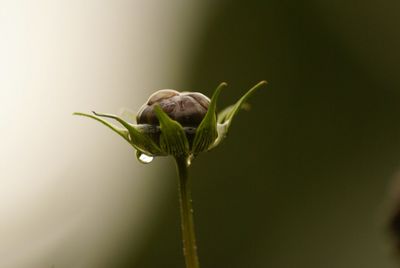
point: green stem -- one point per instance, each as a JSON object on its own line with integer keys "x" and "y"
{"x": 187, "y": 222}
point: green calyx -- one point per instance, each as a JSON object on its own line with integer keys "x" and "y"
{"x": 173, "y": 140}
{"x": 206, "y": 132}
{"x": 134, "y": 135}
{"x": 170, "y": 138}
{"x": 226, "y": 116}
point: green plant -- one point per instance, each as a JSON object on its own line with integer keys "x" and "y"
{"x": 181, "y": 125}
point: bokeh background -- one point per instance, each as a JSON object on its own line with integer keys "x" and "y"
{"x": 303, "y": 180}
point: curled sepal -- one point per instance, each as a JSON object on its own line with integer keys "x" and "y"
{"x": 173, "y": 140}
{"x": 138, "y": 139}
{"x": 122, "y": 132}
{"x": 206, "y": 132}
{"x": 225, "y": 117}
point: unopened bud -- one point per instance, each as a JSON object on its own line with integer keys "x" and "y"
{"x": 187, "y": 108}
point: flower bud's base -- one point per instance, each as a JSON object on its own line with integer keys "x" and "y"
{"x": 154, "y": 132}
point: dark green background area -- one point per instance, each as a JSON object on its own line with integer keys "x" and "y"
{"x": 303, "y": 178}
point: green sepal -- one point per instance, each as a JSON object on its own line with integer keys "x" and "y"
{"x": 137, "y": 139}
{"x": 206, "y": 132}
{"x": 225, "y": 117}
{"x": 173, "y": 140}
{"x": 122, "y": 132}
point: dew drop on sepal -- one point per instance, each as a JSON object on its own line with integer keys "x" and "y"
{"x": 144, "y": 158}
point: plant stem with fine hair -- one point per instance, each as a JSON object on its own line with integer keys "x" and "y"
{"x": 187, "y": 222}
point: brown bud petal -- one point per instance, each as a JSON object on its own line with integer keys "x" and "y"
{"x": 188, "y": 108}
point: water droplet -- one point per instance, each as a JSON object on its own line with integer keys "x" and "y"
{"x": 189, "y": 160}
{"x": 144, "y": 158}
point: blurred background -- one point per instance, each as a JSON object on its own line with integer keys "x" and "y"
{"x": 303, "y": 180}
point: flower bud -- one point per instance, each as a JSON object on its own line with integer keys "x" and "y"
{"x": 187, "y": 108}
{"x": 181, "y": 124}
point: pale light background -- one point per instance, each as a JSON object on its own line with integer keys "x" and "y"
{"x": 71, "y": 190}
